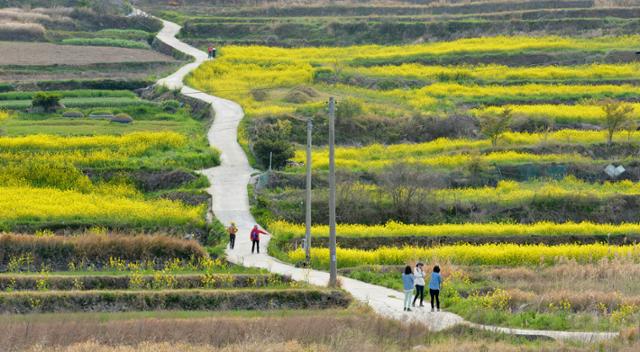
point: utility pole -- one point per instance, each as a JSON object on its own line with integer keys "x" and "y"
{"x": 270, "y": 157}
{"x": 333, "y": 272}
{"x": 307, "y": 250}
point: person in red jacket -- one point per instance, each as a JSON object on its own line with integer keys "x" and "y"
{"x": 255, "y": 238}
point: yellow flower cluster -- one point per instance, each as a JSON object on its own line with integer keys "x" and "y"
{"x": 439, "y": 153}
{"x": 26, "y": 205}
{"x": 504, "y": 73}
{"x": 465, "y": 254}
{"x": 395, "y": 229}
{"x": 133, "y": 143}
{"x": 588, "y": 113}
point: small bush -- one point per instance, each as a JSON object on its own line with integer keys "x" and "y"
{"x": 259, "y": 94}
{"x": 170, "y": 106}
{"x": 122, "y": 118}
{"x": 46, "y": 101}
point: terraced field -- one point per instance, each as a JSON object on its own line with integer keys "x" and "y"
{"x": 477, "y": 154}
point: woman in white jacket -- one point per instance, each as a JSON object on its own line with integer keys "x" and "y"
{"x": 419, "y": 282}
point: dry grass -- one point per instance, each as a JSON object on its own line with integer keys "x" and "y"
{"x": 44, "y": 54}
{"x": 20, "y": 31}
{"x": 339, "y": 333}
{"x": 608, "y": 275}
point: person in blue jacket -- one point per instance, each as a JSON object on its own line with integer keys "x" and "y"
{"x": 434, "y": 287}
{"x": 407, "y": 283}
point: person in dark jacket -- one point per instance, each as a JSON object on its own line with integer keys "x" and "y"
{"x": 255, "y": 238}
{"x": 434, "y": 287}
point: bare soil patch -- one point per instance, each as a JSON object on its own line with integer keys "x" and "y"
{"x": 44, "y": 54}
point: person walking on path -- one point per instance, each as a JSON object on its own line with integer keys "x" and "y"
{"x": 419, "y": 280}
{"x": 213, "y": 53}
{"x": 233, "y": 229}
{"x": 407, "y": 283}
{"x": 255, "y": 238}
{"x": 210, "y": 51}
{"x": 434, "y": 287}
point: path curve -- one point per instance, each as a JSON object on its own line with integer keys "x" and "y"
{"x": 230, "y": 202}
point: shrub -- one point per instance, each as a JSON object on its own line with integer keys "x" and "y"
{"x": 122, "y": 118}
{"x": 272, "y": 142}
{"x": 170, "y": 106}
{"x": 58, "y": 251}
{"x": 46, "y": 101}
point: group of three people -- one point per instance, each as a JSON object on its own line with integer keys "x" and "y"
{"x": 411, "y": 280}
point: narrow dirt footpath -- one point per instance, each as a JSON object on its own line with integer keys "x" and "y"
{"x": 231, "y": 203}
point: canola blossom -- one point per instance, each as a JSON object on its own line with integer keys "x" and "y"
{"x": 503, "y": 73}
{"x": 132, "y": 143}
{"x": 242, "y": 71}
{"x": 560, "y": 113}
{"x": 465, "y": 254}
{"x": 448, "y": 153}
{"x": 396, "y": 229}
{"x": 27, "y": 205}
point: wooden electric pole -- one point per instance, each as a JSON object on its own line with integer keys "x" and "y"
{"x": 307, "y": 250}
{"x": 333, "y": 269}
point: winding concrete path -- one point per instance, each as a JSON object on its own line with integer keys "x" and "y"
{"x": 230, "y": 202}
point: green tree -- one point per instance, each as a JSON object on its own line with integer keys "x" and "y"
{"x": 494, "y": 126}
{"x": 273, "y": 139}
{"x": 47, "y": 101}
{"x": 617, "y": 116}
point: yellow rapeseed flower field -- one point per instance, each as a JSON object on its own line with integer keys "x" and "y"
{"x": 396, "y": 229}
{"x": 465, "y": 254}
{"x": 450, "y": 153}
{"x": 242, "y": 70}
{"x": 504, "y": 73}
{"x": 560, "y": 113}
{"x": 27, "y": 205}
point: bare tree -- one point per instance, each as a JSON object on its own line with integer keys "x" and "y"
{"x": 617, "y": 116}
{"x": 494, "y": 126}
{"x": 409, "y": 189}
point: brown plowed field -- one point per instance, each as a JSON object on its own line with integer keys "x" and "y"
{"x": 45, "y": 54}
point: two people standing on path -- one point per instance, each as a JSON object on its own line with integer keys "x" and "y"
{"x": 212, "y": 52}
{"x": 254, "y": 236}
{"x": 417, "y": 279}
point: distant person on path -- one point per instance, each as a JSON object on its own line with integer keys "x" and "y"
{"x": 213, "y": 53}
{"x": 407, "y": 283}
{"x": 210, "y": 51}
{"x": 255, "y": 238}
{"x": 418, "y": 276}
{"x": 434, "y": 287}
{"x": 233, "y": 229}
